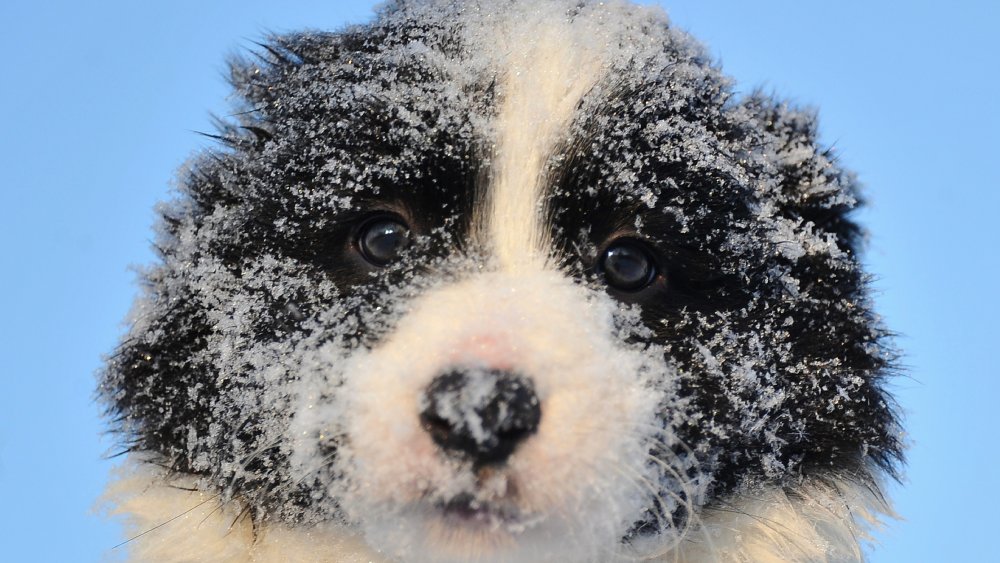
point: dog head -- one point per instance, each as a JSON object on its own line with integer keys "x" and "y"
{"x": 506, "y": 281}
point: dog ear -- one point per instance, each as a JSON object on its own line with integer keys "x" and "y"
{"x": 813, "y": 187}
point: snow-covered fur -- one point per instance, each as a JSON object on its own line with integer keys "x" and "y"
{"x": 503, "y": 281}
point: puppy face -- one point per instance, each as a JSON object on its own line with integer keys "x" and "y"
{"x": 505, "y": 282}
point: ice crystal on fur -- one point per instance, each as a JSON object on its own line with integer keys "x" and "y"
{"x": 516, "y": 141}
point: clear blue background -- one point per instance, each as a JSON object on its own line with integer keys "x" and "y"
{"x": 98, "y": 105}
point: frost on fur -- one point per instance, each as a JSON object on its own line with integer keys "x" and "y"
{"x": 274, "y": 366}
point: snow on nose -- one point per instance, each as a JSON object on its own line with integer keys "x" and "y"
{"x": 480, "y": 414}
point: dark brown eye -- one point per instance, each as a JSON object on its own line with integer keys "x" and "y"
{"x": 381, "y": 240}
{"x": 627, "y": 265}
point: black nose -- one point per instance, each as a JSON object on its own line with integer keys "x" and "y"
{"x": 481, "y": 415}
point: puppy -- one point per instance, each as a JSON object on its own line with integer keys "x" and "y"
{"x": 504, "y": 281}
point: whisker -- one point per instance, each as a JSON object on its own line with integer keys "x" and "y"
{"x": 772, "y": 525}
{"x": 158, "y": 526}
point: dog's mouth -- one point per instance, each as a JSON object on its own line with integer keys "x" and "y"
{"x": 467, "y": 510}
{"x": 492, "y": 504}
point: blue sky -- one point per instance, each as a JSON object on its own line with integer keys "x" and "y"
{"x": 99, "y": 104}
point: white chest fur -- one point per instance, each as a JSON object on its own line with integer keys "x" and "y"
{"x": 172, "y": 522}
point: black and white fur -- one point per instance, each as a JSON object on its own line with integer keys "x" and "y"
{"x": 274, "y": 386}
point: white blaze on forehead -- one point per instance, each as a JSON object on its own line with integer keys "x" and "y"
{"x": 549, "y": 63}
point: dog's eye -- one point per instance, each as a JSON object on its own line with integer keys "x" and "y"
{"x": 382, "y": 239}
{"x": 628, "y": 266}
